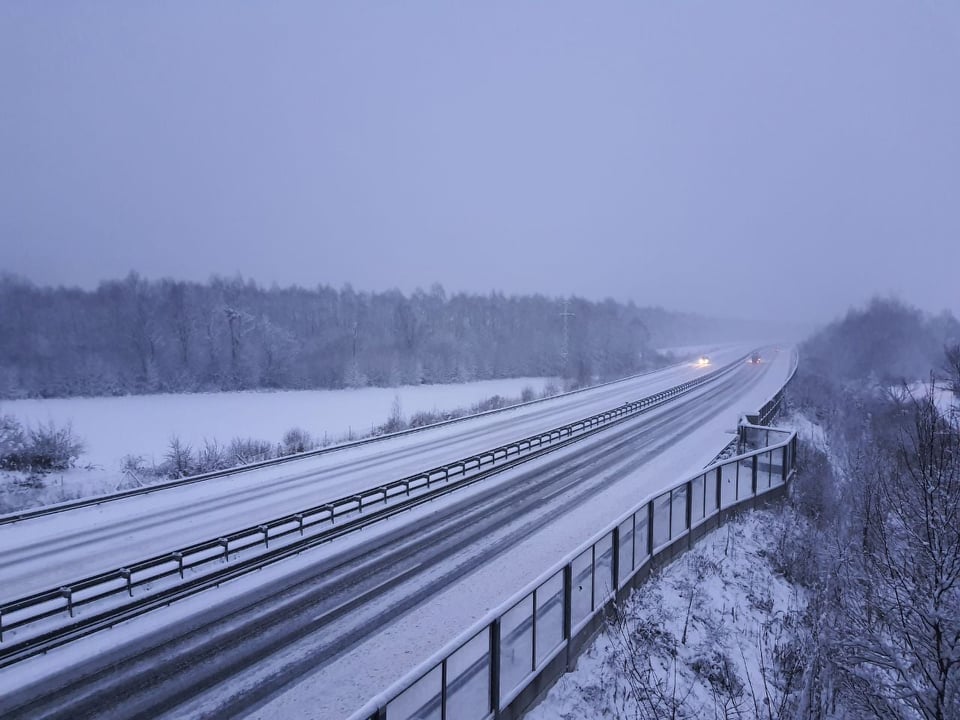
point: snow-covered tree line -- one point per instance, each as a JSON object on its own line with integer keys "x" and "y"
{"x": 884, "y": 342}
{"x": 136, "y": 335}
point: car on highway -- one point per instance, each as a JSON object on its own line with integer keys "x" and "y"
{"x": 755, "y": 358}
{"x": 703, "y": 360}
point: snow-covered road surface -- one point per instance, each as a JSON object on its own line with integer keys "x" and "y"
{"x": 317, "y": 636}
{"x": 46, "y": 552}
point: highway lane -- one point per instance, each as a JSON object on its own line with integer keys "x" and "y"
{"x": 44, "y": 552}
{"x": 319, "y": 620}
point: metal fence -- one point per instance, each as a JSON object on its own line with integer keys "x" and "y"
{"x": 509, "y": 652}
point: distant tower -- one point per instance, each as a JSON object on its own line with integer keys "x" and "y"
{"x": 565, "y": 315}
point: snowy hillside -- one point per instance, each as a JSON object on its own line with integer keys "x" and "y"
{"x": 715, "y": 634}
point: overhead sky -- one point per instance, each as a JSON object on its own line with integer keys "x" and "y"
{"x": 737, "y": 158}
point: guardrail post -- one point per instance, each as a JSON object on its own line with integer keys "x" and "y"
{"x": 616, "y": 561}
{"x": 533, "y": 633}
{"x": 783, "y": 466}
{"x": 719, "y": 489}
{"x": 1, "y": 625}
{"x": 689, "y": 513}
{"x": 266, "y": 535}
{"x": 226, "y": 548}
{"x": 753, "y": 472}
{"x": 495, "y": 667}
{"x": 443, "y": 689}
{"x": 125, "y": 574}
{"x": 299, "y": 517}
{"x": 650, "y": 529}
{"x": 178, "y": 556}
{"x": 67, "y": 593}
{"x": 593, "y": 577}
{"x": 568, "y": 609}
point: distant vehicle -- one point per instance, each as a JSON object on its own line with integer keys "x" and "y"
{"x": 704, "y": 360}
{"x": 755, "y": 358}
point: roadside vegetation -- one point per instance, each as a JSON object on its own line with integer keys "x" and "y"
{"x": 33, "y": 460}
{"x": 182, "y": 459}
{"x": 135, "y": 336}
{"x": 39, "y": 449}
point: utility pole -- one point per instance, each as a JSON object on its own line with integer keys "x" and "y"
{"x": 565, "y": 316}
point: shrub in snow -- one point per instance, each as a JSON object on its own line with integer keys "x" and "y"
{"x": 178, "y": 461}
{"x": 491, "y": 403}
{"x": 550, "y": 389}
{"x": 213, "y": 456}
{"x": 395, "y": 422}
{"x": 297, "y": 440}
{"x": 133, "y": 465}
{"x": 12, "y": 443}
{"x": 41, "y": 449}
{"x": 248, "y": 450}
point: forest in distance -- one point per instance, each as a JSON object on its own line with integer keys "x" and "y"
{"x": 140, "y": 336}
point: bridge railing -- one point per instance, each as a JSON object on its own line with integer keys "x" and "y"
{"x": 495, "y": 669}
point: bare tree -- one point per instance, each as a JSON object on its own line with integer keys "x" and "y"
{"x": 898, "y": 627}
{"x": 179, "y": 458}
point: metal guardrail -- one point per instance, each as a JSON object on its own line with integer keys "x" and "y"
{"x": 290, "y": 530}
{"x": 248, "y": 467}
{"x": 768, "y": 411}
{"x": 486, "y": 668}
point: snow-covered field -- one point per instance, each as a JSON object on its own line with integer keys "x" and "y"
{"x": 713, "y": 635}
{"x": 112, "y": 427}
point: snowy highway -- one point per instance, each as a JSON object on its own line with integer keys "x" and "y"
{"x": 43, "y": 552}
{"x": 318, "y": 635}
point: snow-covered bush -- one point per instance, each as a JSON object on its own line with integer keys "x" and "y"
{"x": 297, "y": 440}
{"x": 248, "y": 450}
{"x": 178, "y": 461}
{"x": 53, "y": 448}
{"x": 40, "y": 449}
{"x": 212, "y": 456}
{"x": 12, "y": 443}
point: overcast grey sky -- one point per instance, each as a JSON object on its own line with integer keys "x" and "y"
{"x": 697, "y": 155}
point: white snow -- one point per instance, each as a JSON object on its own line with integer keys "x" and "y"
{"x": 112, "y": 427}
{"x": 808, "y": 431}
{"x": 708, "y": 629}
{"x": 142, "y": 425}
{"x": 132, "y": 529}
{"x": 375, "y": 663}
